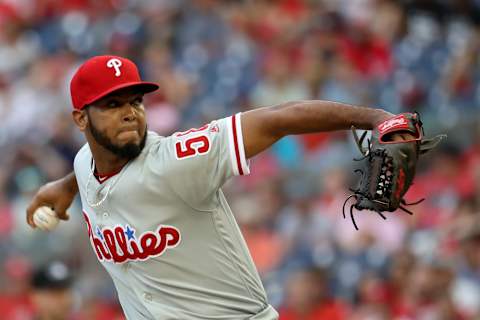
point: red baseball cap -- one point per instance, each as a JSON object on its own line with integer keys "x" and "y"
{"x": 102, "y": 75}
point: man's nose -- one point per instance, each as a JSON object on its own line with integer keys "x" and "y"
{"x": 129, "y": 113}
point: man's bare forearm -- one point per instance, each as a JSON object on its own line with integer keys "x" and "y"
{"x": 70, "y": 183}
{"x": 263, "y": 127}
{"x": 317, "y": 116}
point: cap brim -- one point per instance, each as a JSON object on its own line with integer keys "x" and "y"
{"x": 144, "y": 87}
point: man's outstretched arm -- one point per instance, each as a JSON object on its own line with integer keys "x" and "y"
{"x": 263, "y": 127}
{"x": 58, "y": 194}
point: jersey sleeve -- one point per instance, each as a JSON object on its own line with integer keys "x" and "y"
{"x": 203, "y": 159}
{"x": 83, "y": 156}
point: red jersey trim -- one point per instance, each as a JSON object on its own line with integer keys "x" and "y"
{"x": 101, "y": 178}
{"x": 235, "y": 143}
{"x": 239, "y": 162}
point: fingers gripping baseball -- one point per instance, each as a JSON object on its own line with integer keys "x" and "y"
{"x": 51, "y": 195}
{"x": 45, "y": 219}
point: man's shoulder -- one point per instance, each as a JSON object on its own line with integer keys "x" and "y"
{"x": 153, "y": 139}
{"x": 158, "y": 149}
{"x": 82, "y": 154}
{"x": 82, "y": 161}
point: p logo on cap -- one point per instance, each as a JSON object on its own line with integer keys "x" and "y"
{"x": 102, "y": 75}
{"x": 116, "y": 64}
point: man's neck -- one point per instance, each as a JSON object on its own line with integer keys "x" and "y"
{"x": 106, "y": 167}
{"x": 105, "y": 161}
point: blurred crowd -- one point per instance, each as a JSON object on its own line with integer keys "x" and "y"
{"x": 213, "y": 58}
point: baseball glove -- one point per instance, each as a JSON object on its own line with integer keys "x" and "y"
{"x": 388, "y": 165}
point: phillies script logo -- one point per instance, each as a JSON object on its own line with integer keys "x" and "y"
{"x": 396, "y": 122}
{"x": 119, "y": 244}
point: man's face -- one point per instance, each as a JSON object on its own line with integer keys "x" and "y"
{"x": 117, "y": 123}
{"x": 55, "y": 304}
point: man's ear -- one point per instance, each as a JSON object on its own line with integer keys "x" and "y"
{"x": 80, "y": 118}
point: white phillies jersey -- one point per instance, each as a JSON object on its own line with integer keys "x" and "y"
{"x": 163, "y": 230}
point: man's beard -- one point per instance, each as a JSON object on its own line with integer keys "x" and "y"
{"x": 128, "y": 151}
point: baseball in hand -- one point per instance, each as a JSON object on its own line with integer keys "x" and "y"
{"x": 45, "y": 219}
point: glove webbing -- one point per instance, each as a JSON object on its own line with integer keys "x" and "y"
{"x": 378, "y": 161}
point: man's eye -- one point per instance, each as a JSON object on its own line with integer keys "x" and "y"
{"x": 137, "y": 102}
{"x": 112, "y": 104}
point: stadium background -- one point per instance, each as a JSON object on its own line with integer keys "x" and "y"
{"x": 213, "y": 58}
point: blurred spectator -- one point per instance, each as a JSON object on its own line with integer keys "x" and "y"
{"x": 467, "y": 284}
{"x": 372, "y": 300}
{"x": 52, "y": 296}
{"x": 266, "y": 246}
{"x": 307, "y": 298}
{"x": 428, "y": 295}
{"x": 15, "y": 300}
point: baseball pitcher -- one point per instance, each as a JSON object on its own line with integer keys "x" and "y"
{"x": 153, "y": 206}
